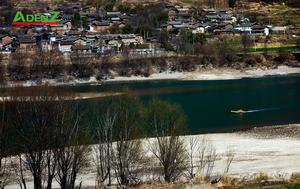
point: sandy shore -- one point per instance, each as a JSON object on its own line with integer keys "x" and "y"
{"x": 277, "y": 154}
{"x": 259, "y": 151}
{"x": 207, "y": 74}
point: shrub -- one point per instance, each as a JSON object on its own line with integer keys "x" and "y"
{"x": 160, "y": 63}
{"x": 55, "y": 71}
{"x": 230, "y": 58}
{"x": 229, "y": 181}
{"x": 206, "y": 60}
{"x": 284, "y": 56}
{"x": 260, "y": 58}
{"x": 17, "y": 72}
{"x": 251, "y": 61}
{"x": 81, "y": 70}
{"x": 295, "y": 178}
{"x": 189, "y": 65}
{"x": 39, "y": 71}
{"x": 261, "y": 176}
{"x": 2, "y": 73}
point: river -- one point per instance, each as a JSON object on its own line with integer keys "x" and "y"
{"x": 207, "y": 104}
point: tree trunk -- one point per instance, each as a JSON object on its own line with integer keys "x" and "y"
{"x": 37, "y": 181}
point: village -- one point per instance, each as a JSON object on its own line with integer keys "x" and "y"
{"x": 84, "y": 29}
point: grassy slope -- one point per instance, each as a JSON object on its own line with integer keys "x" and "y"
{"x": 275, "y": 13}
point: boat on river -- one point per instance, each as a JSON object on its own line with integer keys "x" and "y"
{"x": 239, "y": 111}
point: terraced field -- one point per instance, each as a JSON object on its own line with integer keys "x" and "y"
{"x": 275, "y": 13}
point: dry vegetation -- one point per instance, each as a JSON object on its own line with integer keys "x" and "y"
{"x": 44, "y": 138}
{"x": 260, "y": 180}
{"x": 27, "y": 67}
{"x": 274, "y": 13}
{"x": 287, "y": 131}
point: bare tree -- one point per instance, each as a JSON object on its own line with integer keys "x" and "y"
{"x": 46, "y": 64}
{"x": 19, "y": 170}
{"x": 18, "y": 57}
{"x": 4, "y": 173}
{"x": 202, "y": 154}
{"x": 128, "y": 155}
{"x": 71, "y": 160}
{"x": 246, "y": 41}
{"x": 2, "y": 69}
{"x": 103, "y": 150}
{"x": 81, "y": 66}
{"x": 193, "y": 148}
{"x": 211, "y": 157}
{"x": 81, "y": 58}
{"x": 17, "y": 68}
{"x": 117, "y": 120}
{"x": 71, "y": 155}
{"x": 36, "y": 120}
{"x": 202, "y": 157}
{"x": 128, "y": 160}
{"x": 228, "y": 161}
{"x": 1, "y": 58}
{"x": 4, "y": 167}
{"x": 166, "y": 122}
{"x": 50, "y": 167}
{"x": 229, "y": 156}
{"x": 33, "y": 123}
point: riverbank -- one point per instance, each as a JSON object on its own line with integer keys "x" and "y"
{"x": 202, "y": 74}
{"x": 215, "y": 74}
{"x": 277, "y": 156}
{"x": 258, "y": 150}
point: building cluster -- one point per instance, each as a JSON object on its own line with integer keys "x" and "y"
{"x": 215, "y": 22}
{"x": 68, "y": 42}
{"x": 96, "y": 37}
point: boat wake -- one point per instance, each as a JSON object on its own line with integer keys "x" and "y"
{"x": 266, "y": 109}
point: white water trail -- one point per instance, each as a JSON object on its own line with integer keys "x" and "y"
{"x": 266, "y": 109}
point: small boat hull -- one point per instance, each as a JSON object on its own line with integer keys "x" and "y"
{"x": 238, "y": 111}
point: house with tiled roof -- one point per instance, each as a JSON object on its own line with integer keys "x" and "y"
{"x": 65, "y": 46}
{"x": 5, "y": 39}
{"x": 97, "y": 26}
{"x": 27, "y": 42}
{"x": 81, "y": 48}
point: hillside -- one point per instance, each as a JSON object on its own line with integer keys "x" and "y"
{"x": 272, "y": 13}
{"x": 277, "y": 12}
{"x": 217, "y": 3}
